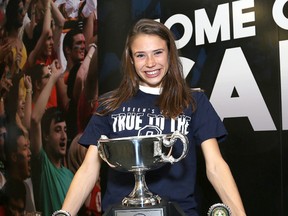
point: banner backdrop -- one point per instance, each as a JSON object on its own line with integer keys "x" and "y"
{"x": 237, "y": 51}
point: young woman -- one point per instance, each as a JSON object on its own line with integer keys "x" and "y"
{"x": 46, "y": 36}
{"x": 154, "y": 91}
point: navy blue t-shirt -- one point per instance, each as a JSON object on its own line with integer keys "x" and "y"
{"x": 140, "y": 116}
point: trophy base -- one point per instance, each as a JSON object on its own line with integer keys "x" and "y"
{"x": 146, "y": 201}
{"x": 162, "y": 209}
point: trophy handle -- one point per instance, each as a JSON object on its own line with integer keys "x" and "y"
{"x": 102, "y": 153}
{"x": 170, "y": 142}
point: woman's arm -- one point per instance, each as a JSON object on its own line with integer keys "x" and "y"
{"x": 220, "y": 176}
{"x": 39, "y": 109}
{"x": 88, "y": 29}
{"x": 59, "y": 21}
{"x": 28, "y": 102}
{"x": 81, "y": 75}
{"x": 44, "y": 34}
{"x": 83, "y": 181}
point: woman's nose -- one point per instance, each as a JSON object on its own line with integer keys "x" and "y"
{"x": 150, "y": 61}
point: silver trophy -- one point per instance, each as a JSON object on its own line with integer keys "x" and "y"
{"x": 139, "y": 154}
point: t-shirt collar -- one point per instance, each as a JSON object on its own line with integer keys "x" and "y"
{"x": 150, "y": 90}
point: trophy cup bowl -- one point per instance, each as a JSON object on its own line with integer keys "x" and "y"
{"x": 139, "y": 154}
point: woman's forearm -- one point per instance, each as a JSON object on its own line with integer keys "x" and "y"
{"x": 83, "y": 182}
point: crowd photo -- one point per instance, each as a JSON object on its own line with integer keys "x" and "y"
{"x": 46, "y": 48}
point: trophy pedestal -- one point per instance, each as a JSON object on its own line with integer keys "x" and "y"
{"x": 162, "y": 209}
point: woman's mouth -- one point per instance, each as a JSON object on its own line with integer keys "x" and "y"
{"x": 153, "y": 73}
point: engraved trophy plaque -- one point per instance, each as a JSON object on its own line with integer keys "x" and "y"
{"x": 138, "y": 155}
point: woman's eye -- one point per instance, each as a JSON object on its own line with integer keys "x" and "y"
{"x": 158, "y": 52}
{"x": 139, "y": 55}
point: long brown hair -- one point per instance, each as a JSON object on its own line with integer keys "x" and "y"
{"x": 175, "y": 95}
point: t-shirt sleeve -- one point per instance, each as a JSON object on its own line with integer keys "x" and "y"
{"x": 96, "y": 127}
{"x": 207, "y": 124}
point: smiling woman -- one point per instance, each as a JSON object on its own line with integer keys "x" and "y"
{"x": 150, "y": 58}
{"x": 153, "y": 98}
{"x": 46, "y": 38}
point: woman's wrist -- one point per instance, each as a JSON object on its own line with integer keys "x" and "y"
{"x": 91, "y": 51}
{"x": 29, "y": 91}
{"x": 48, "y": 6}
{"x": 61, "y": 213}
{"x": 92, "y": 45}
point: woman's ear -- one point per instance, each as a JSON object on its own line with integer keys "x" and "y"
{"x": 14, "y": 156}
{"x": 38, "y": 85}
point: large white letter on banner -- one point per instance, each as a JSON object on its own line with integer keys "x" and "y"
{"x": 221, "y": 22}
{"x": 283, "y": 49}
{"x": 278, "y": 15}
{"x": 235, "y": 73}
{"x": 239, "y": 18}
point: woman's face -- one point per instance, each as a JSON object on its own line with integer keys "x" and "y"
{"x": 49, "y": 44}
{"x": 21, "y": 105}
{"x": 150, "y": 58}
